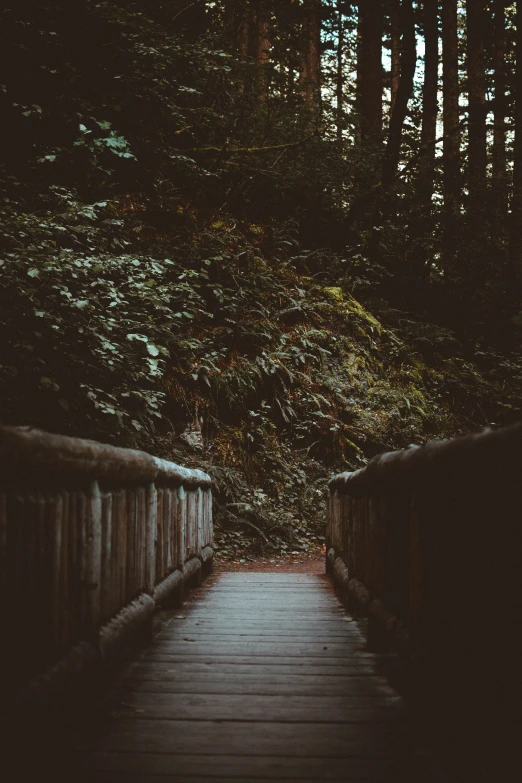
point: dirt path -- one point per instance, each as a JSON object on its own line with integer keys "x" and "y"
{"x": 313, "y": 563}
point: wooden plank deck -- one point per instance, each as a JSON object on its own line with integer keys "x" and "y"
{"x": 265, "y": 679}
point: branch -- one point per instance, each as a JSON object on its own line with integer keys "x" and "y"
{"x": 183, "y": 9}
{"x": 271, "y": 148}
{"x": 243, "y": 521}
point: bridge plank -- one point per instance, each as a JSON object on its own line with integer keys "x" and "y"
{"x": 281, "y": 660}
{"x": 258, "y": 707}
{"x": 262, "y": 679}
{"x": 314, "y": 686}
{"x": 246, "y": 738}
{"x": 133, "y": 766}
{"x": 348, "y": 667}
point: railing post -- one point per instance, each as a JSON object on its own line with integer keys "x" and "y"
{"x": 199, "y": 542}
{"x": 182, "y": 521}
{"x": 107, "y": 563}
{"x": 91, "y": 550}
{"x": 152, "y": 526}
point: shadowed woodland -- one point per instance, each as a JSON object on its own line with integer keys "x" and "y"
{"x": 269, "y": 239}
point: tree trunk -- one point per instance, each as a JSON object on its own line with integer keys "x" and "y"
{"x": 395, "y": 43}
{"x": 385, "y": 204}
{"x": 311, "y": 71}
{"x": 369, "y": 68}
{"x": 230, "y": 23}
{"x": 429, "y": 111}
{"x": 404, "y": 92}
{"x": 243, "y": 31}
{"x": 450, "y": 112}
{"x": 339, "y": 87}
{"x": 477, "y": 150}
{"x": 358, "y": 81}
{"x": 516, "y": 205}
{"x": 262, "y": 47}
{"x": 499, "y": 184}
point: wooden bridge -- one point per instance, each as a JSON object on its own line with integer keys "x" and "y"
{"x": 264, "y": 676}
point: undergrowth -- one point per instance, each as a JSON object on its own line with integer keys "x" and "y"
{"x": 236, "y": 353}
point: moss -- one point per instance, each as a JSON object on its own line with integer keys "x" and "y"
{"x": 356, "y": 308}
{"x": 335, "y": 293}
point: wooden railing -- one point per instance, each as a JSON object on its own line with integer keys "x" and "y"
{"x": 428, "y": 543}
{"x": 92, "y": 538}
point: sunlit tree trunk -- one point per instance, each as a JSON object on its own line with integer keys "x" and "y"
{"x": 499, "y": 183}
{"x": 477, "y": 149}
{"x": 311, "y": 70}
{"x": 369, "y": 68}
{"x": 451, "y": 149}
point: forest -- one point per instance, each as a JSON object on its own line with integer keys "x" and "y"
{"x": 267, "y": 238}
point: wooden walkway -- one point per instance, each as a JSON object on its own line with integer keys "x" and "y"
{"x": 265, "y": 679}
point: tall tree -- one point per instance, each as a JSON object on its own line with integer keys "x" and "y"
{"x": 499, "y": 161}
{"x": 516, "y": 205}
{"x": 385, "y": 204}
{"x": 477, "y": 146}
{"x": 311, "y": 68}
{"x": 369, "y": 70}
{"x": 339, "y": 77}
{"x": 262, "y": 46}
{"x": 451, "y": 143}
{"x": 429, "y": 110}
{"x": 395, "y": 46}
{"x": 404, "y": 92}
{"x": 243, "y": 31}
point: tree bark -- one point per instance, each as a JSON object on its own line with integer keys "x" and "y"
{"x": 429, "y": 110}
{"x": 499, "y": 172}
{"x": 385, "y": 204}
{"x": 370, "y": 70}
{"x": 262, "y": 47}
{"x": 451, "y": 143}
{"x": 310, "y": 77}
{"x": 236, "y": 25}
{"x": 477, "y": 150}
{"x": 395, "y": 45}
{"x": 243, "y": 32}
{"x": 516, "y": 205}
{"x": 404, "y": 92}
{"x": 339, "y": 86}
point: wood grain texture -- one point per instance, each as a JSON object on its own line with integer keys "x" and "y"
{"x": 261, "y": 679}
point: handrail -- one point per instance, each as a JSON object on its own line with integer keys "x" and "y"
{"x": 92, "y": 538}
{"x": 428, "y": 543}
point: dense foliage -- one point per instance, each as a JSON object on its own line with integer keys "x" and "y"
{"x": 179, "y": 273}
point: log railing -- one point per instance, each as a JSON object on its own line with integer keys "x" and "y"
{"x": 428, "y": 543}
{"x": 92, "y": 538}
